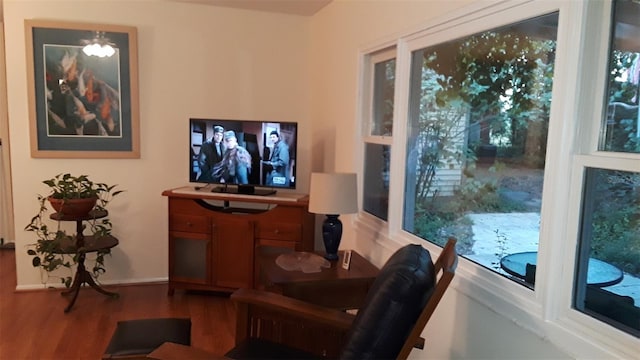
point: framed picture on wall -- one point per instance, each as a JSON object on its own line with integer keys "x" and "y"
{"x": 82, "y": 90}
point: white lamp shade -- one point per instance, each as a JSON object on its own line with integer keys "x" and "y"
{"x": 333, "y": 193}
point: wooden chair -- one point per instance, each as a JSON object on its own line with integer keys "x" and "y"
{"x": 399, "y": 304}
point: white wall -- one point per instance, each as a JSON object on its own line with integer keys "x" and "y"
{"x": 461, "y": 328}
{"x": 7, "y": 231}
{"x": 194, "y": 61}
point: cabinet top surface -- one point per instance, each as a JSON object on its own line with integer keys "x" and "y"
{"x": 284, "y": 198}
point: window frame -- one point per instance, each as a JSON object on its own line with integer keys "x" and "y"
{"x": 587, "y": 155}
{"x": 368, "y": 59}
{"x": 547, "y": 310}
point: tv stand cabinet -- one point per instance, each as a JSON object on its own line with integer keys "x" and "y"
{"x": 213, "y": 236}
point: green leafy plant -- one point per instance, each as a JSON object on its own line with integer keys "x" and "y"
{"x": 67, "y": 186}
{"x": 50, "y": 251}
{"x": 615, "y": 221}
{"x": 501, "y": 251}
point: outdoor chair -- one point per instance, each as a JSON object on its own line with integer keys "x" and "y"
{"x": 619, "y": 308}
{"x": 388, "y": 325}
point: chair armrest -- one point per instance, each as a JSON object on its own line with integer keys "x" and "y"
{"x": 293, "y": 307}
{"x": 294, "y": 323}
{"x": 173, "y": 351}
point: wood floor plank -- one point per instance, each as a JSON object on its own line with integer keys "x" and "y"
{"x": 33, "y": 324}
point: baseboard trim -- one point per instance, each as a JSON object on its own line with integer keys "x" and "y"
{"x": 128, "y": 282}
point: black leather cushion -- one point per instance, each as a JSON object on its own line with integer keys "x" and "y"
{"x": 392, "y": 305}
{"x": 134, "y": 337}
{"x": 255, "y": 349}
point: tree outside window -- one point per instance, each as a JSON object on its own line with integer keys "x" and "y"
{"x": 479, "y": 114}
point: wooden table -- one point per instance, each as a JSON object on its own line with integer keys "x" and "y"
{"x": 82, "y": 276}
{"x": 80, "y": 247}
{"x": 333, "y": 287}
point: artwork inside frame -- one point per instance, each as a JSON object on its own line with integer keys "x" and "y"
{"x": 82, "y": 106}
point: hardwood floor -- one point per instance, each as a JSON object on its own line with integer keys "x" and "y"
{"x": 33, "y": 324}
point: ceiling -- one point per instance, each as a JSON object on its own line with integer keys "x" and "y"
{"x": 294, "y": 7}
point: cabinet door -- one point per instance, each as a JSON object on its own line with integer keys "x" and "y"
{"x": 190, "y": 257}
{"x": 233, "y": 238}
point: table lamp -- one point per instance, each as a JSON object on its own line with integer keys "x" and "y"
{"x": 333, "y": 194}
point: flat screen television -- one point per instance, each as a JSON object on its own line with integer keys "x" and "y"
{"x": 243, "y": 156}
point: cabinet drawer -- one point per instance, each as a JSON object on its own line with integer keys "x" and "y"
{"x": 279, "y": 231}
{"x": 189, "y": 223}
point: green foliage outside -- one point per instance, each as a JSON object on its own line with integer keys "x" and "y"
{"x": 615, "y": 226}
{"x": 622, "y": 136}
{"x": 500, "y": 83}
{"x": 616, "y": 215}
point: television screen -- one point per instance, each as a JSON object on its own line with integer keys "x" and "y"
{"x": 243, "y": 153}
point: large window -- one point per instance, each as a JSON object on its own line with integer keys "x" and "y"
{"x": 377, "y": 148}
{"x": 478, "y": 119}
{"x": 607, "y": 284}
{"x": 501, "y": 141}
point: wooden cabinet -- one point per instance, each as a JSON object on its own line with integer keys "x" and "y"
{"x": 233, "y": 251}
{"x": 213, "y": 237}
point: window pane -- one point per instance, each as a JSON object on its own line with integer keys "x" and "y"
{"x": 608, "y": 281}
{"x": 478, "y": 119}
{"x": 383, "y": 92}
{"x": 377, "y": 156}
{"x": 376, "y": 180}
{"x": 622, "y": 123}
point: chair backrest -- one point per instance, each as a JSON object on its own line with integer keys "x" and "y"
{"x": 445, "y": 268}
{"x": 399, "y": 303}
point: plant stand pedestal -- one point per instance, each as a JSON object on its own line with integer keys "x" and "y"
{"x": 82, "y": 246}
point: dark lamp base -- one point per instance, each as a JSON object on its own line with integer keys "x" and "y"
{"x": 331, "y": 257}
{"x": 331, "y": 235}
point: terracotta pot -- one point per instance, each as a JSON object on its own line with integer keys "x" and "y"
{"x": 73, "y": 207}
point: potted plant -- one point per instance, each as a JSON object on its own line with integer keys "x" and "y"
{"x": 73, "y": 198}
{"x": 75, "y": 195}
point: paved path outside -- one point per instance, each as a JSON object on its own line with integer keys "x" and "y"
{"x": 499, "y": 234}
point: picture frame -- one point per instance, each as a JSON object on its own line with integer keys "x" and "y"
{"x": 82, "y": 106}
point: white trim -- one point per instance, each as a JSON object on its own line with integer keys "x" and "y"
{"x": 366, "y": 80}
{"x": 123, "y": 282}
{"x": 475, "y": 22}
{"x": 552, "y": 276}
{"x": 595, "y": 68}
{"x": 463, "y": 16}
{"x": 610, "y": 162}
{"x": 380, "y": 140}
{"x": 369, "y": 62}
{"x": 383, "y": 54}
{"x": 399, "y": 148}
